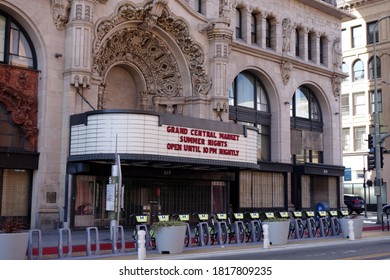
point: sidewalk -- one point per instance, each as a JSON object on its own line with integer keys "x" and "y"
{"x": 50, "y": 243}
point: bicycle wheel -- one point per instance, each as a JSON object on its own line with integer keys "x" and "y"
{"x": 337, "y": 227}
{"x": 197, "y": 237}
{"x": 301, "y": 229}
{"x": 231, "y": 233}
{"x": 152, "y": 240}
{"x": 186, "y": 239}
{"x": 313, "y": 228}
{"x": 205, "y": 235}
{"x": 241, "y": 233}
{"x": 248, "y": 232}
{"x": 325, "y": 226}
{"x": 257, "y": 232}
{"x": 213, "y": 235}
{"x": 224, "y": 234}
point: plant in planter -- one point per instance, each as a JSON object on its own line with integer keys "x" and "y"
{"x": 278, "y": 229}
{"x": 13, "y": 239}
{"x": 169, "y": 236}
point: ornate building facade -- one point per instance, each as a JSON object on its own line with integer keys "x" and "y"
{"x": 208, "y": 106}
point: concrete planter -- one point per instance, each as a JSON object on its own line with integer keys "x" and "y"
{"x": 357, "y": 227}
{"x": 13, "y": 246}
{"x": 170, "y": 240}
{"x": 278, "y": 232}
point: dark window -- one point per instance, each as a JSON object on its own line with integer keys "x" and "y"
{"x": 309, "y": 47}
{"x": 15, "y": 45}
{"x": 371, "y": 68}
{"x": 238, "y": 24}
{"x": 370, "y": 33}
{"x": 11, "y": 136}
{"x": 253, "y": 29}
{"x": 322, "y": 51}
{"x": 268, "y": 33}
{"x": 372, "y": 101}
{"x": 297, "y": 42}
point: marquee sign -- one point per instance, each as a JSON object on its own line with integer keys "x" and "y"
{"x": 143, "y": 134}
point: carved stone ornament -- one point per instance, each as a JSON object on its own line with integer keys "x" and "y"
{"x": 337, "y": 53}
{"x": 287, "y": 29}
{"x": 145, "y": 50}
{"x": 60, "y": 11}
{"x": 286, "y": 68}
{"x": 336, "y": 85}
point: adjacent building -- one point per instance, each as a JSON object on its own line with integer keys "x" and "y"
{"x": 371, "y": 20}
{"x": 180, "y": 106}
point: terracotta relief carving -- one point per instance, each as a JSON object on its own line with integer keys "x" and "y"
{"x": 18, "y": 93}
{"x": 336, "y": 85}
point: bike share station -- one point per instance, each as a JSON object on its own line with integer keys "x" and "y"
{"x": 186, "y": 219}
{"x": 253, "y": 224}
{"x": 203, "y": 230}
{"x": 221, "y": 224}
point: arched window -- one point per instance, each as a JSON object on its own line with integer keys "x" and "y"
{"x": 371, "y": 68}
{"x": 305, "y": 105}
{"x": 306, "y": 127}
{"x": 358, "y": 70}
{"x": 15, "y": 45}
{"x": 249, "y": 105}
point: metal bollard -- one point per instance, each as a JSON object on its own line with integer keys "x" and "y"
{"x": 351, "y": 231}
{"x": 266, "y": 242}
{"x": 141, "y": 244}
{"x": 31, "y": 244}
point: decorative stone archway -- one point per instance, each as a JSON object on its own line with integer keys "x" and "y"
{"x": 142, "y": 47}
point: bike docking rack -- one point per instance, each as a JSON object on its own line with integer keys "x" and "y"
{"x": 238, "y": 223}
{"x": 142, "y": 221}
{"x": 89, "y": 251}
{"x": 203, "y": 229}
{"x": 220, "y": 224}
{"x": 334, "y": 222}
{"x": 311, "y": 223}
{"x": 322, "y": 220}
{"x": 186, "y": 218}
{"x": 68, "y": 234}
{"x": 298, "y": 223}
{"x": 253, "y": 224}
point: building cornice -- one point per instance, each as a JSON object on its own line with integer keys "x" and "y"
{"x": 327, "y": 8}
